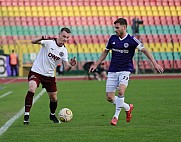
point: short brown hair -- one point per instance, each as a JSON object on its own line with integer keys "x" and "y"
{"x": 65, "y": 29}
{"x": 121, "y": 21}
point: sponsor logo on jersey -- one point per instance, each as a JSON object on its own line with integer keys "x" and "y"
{"x": 53, "y": 56}
{"x": 120, "y": 51}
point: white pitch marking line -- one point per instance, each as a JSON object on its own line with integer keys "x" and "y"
{"x": 12, "y": 80}
{"x": 12, "y": 120}
{"x": 4, "y": 95}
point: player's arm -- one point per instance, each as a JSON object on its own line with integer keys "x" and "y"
{"x": 44, "y": 37}
{"x": 151, "y": 58}
{"x": 102, "y": 57}
{"x": 70, "y": 64}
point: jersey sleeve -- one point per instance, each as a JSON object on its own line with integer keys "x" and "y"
{"x": 44, "y": 43}
{"x": 138, "y": 44}
{"x": 109, "y": 45}
{"x": 65, "y": 56}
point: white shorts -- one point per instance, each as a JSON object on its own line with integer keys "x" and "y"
{"x": 115, "y": 79}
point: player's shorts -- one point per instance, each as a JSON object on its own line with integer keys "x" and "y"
{"x": 114, "y": 79}
{"x": 48, "y": 83}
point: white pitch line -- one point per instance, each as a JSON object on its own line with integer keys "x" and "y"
{"x": 12, "y": 120}
{"x": 5, "y": 94}
{"x": 12, "y": 80}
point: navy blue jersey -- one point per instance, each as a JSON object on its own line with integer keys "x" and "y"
{"x": 122, "y": 52}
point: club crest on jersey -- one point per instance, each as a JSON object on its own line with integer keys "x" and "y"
{"x": 126, "y": 45}
{"x": 61, "y": 54}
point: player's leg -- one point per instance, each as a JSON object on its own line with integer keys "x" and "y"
{"x": 29, "y": 100}
{"x": 53, "y": 106}
{"x": 123, "y": 83}
{"x": 11, "y": 70}
{"x": 34, "y": 81}
{"x": 111, "y": 85}
{"x": 50, "y": 85}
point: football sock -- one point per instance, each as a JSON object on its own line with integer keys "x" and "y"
{"x": 119, "y": 105}
{"x": 53, "y": 106}
{"x": 115, "y": 99}
{"x": 28, "y": 101}
{"x": 126, "y": 106}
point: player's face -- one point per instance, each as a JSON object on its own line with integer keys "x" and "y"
{"x": 120, "y": 29}
{"x": 63, "y": 37}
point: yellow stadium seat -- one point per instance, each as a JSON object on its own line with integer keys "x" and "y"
{"x": 28, "y": 13}
{"x": 4, "y": 8}
{"x": 113, "y": 13}
{"x": 148, "y": 8}
{"x": 135, "y": 8}
{"x": 117, "y": 8}
{"x": 149, "y": 13}
{"x": 124, "y": 8}
{"x": 53, "y": 13}
{"x": 81, "y": 8}
{"x": 131, "y": 13}
{"x": 130, "y": 8}
{"x": 87, "y": 8}
{"x": 112, "y": 8}
{"x": 168, "y": 13}
{"x": 101, "y": 13}
{"x": 21, "y": 8}
{"x": 164, "y": 45}
{"x": 63, "y": 8}
{"x": 125, "y": 13}
{"x": 142, "y": 8}
{"x": 106, "y": 8}
{"x": 161, "y": 13}
{"x": 106, "y": 13}
{"x": 174, "y": 13}
{"x": 57, "y": 8}
{"x": 160, "y": 8}
{"x": 100, "y": 8}
{"x": 39, "y": 8}
{"x": 51, "y": 8}
{"x": 154, "y": 8}
{"x": 15, "y": 8}
{"x": 137, "y": 13}
{"x": 33, "y": 8}
{"x": 166, "y": 8}
{"x": 34, "y": 13}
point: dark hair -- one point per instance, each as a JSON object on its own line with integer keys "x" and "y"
{"x": 121, "y": 21}
{"x": 65, "y": 29}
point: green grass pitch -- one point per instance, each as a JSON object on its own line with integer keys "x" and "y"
{"x": 156, "y": 114}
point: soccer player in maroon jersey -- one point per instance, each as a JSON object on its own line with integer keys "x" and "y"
{"x": 52, "y": 53}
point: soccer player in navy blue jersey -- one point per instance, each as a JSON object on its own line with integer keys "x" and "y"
{"x": 123, "y": 47}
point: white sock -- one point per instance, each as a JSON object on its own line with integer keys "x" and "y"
{"x": 27, "y": 113}
{"x": 119, "y": 105}
{"x": 115, "y": 99}
{"x": 126, "y": 106}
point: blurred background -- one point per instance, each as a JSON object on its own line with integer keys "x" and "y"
{"x": 157, "y": 23}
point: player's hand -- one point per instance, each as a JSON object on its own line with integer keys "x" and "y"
{"x": 159, "y": 68}
{"x": 73, "y": 61}
{"x": 92, "y": 68}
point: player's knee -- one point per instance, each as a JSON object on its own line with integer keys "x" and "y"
{"x": 120, "y": 92}
{"x": 109, "y": 98}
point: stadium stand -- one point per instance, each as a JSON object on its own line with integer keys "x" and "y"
{"x": 91, "y": 24}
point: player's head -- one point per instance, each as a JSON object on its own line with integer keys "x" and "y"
{"x": 120, "y": 26}
{"x": 64, "y": 35}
